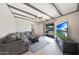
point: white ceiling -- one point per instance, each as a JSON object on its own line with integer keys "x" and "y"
{"x": 16, "y": 11}
{"x": 46, "y": 8}
{"x": 64, "y": 8}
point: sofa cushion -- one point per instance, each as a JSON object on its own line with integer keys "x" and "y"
{"x": 10, "y": 38}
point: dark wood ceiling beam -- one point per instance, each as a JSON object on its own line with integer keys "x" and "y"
{"x": 53, "y": 5}
{"x": 37, "y": 9}
{"x": 22, "y": 10}
{"x": 22, "y": 15}
{"x": 27, "y": 19}
{"x": 64, "y": 15}
{"x": 24, "y": 18}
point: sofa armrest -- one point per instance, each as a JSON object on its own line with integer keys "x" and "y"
{"x": 11, "y": 43}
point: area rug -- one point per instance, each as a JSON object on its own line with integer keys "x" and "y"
{"x": 36, "y": 46}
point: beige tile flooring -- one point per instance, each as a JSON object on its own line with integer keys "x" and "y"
{"x": 51, "y": 49}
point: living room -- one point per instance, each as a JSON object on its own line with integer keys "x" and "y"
{"x": 26, "y": 22}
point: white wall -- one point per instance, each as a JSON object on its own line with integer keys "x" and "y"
{"x": 73, "y": 24}
{"x": 7, "y": 21}
{"x": 39, "y": 28}
{"x": 25, "y": 25}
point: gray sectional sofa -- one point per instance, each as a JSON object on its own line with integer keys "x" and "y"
{"x": 13, "y": 45}
{"x": 16, "y": 43}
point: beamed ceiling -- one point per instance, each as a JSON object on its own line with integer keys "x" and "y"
{"x": 40, "y": 12}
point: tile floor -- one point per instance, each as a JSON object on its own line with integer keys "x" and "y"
{"x": 51, "y": 49}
